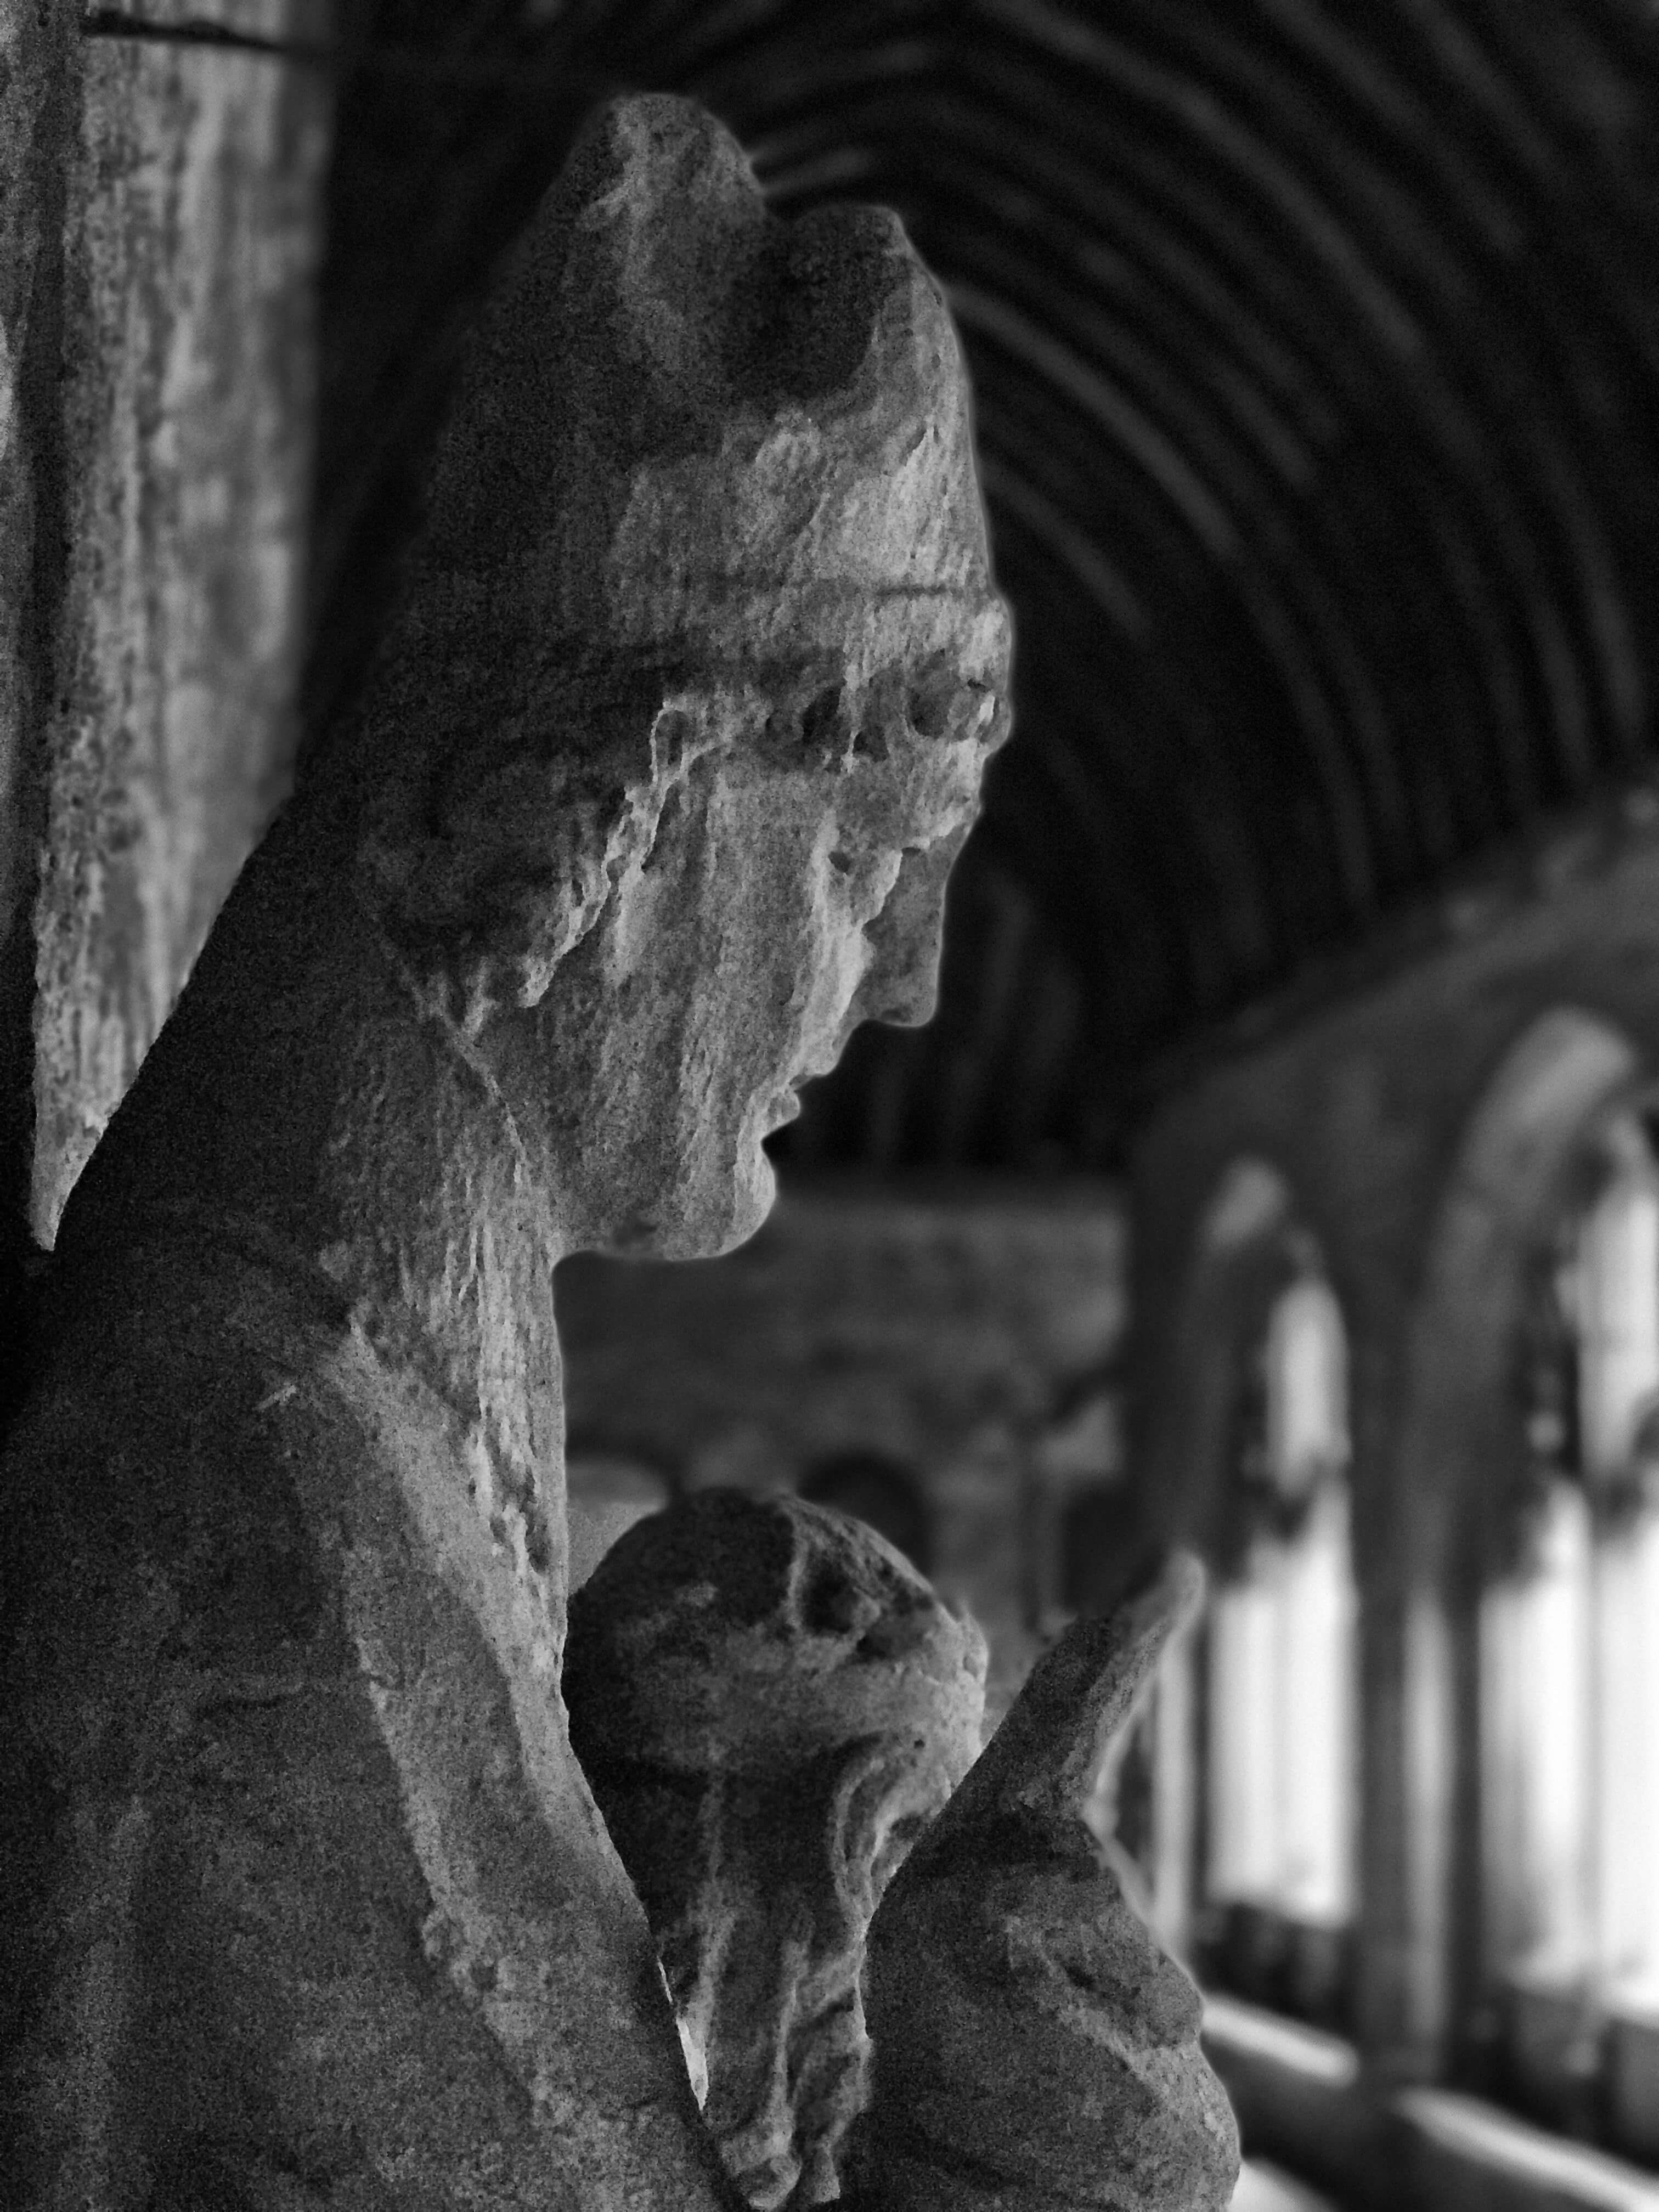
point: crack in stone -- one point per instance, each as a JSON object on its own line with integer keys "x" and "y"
{"x": 391, "y": 59}
{"x": 113, "y": 23}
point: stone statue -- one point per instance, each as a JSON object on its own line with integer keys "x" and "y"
{"x": 650, "y": 797}
{"x": 770, "y": 1704}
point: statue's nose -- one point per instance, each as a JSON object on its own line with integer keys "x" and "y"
{"x": 901, "y": 984}
{"x": 906, "y": 997}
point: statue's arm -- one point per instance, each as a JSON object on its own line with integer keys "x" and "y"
{"x": 1035, "y": 2051}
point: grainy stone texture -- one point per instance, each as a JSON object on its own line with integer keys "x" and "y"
{"x": 651, "y": 797}
{"x": 770, "y": 1704}
{"x": 37, "y": 64}
{"x": 194, "y": 228}
{"x": 1035, "y": 2050}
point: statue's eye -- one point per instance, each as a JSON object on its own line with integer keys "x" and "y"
{"x": 829, "y": 1603}
{"x": 820, "y": 718}
{"x": 671, "y": 733}
{"x": 986, "y": 705}
{"x": 819, "y": 728}
{"x": 929, "y": 701}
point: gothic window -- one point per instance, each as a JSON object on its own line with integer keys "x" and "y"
{"x": 1278, "y": 1676}
{"x": 1570, "y": 1671}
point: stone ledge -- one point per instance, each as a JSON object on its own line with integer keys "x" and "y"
{"x": 1308, "y": 2052}
{"x": 1465, "y": 2152}
{"x": 1299, "y": 2093}
{"x": 1264, "y": 2188}
{"x": 1303, "y": 2099}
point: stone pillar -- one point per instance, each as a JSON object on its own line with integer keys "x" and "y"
{"x": 35, "y": 118}
{"x": 1407, "y": 1793}
{"x": 194, "y": 235}
{"x": 1410, "y": 1732}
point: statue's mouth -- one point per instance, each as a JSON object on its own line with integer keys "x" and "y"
{"x": 784, "y": 1108}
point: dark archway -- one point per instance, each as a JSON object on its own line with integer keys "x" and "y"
{"x": 881, "y": 1492}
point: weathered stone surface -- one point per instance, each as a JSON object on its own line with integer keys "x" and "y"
{"x": 194, "y": 228}
{"x": 695, "y": 542}
{"x": 1035, "y": 2051}
{"x": 770, "y": 1704}
{"x": 315, "y": 1904}
{"x": 37, "y": 58}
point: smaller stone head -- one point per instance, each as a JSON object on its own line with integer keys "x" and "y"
{"x": 771, "y": 1705}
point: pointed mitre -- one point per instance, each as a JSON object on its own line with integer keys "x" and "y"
{"x": 685, "y": 428}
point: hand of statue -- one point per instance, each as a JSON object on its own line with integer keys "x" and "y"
{"x": 1035, "y": 2050}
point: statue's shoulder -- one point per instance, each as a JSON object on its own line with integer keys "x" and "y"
{"x": 158, "y": 1425}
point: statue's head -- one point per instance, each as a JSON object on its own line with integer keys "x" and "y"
{"x": 770, "y": 1704}
{"x": 683, "y": 718}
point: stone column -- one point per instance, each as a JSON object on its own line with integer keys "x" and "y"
{"x": 194, "y": 226}
{"x": 35, "y": 120}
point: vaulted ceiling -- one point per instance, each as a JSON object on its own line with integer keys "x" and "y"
{"x": 1316, "y": 353}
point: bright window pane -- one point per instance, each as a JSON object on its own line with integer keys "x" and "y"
{"x": 1627, "y": 1611}
{"x": 1244, "y": 1741}
{"x": 1317, "y": 1698}
{"x": 1282, "y": 1671}
{"x": 1536, "y": 1778}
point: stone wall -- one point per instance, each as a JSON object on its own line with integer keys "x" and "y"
{"x": 193, "y": 234}
{"x": 948, "y": 1331}
{"x": 38, "y": 56}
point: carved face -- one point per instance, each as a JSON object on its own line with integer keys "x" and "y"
{"x": 770, "y": 1704}
{"x": 789, "y": 885}
{"x": 761, "y": 1887}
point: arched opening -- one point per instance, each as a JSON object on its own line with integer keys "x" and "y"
{"x": 1279, "y": 1678}
{"x": 1238, "y": 1791}
{"x": 1533, "y": 1360}
{"x": 1570, "y": 1662}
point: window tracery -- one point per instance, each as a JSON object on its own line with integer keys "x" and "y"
{"x": 1570, "y": 1666}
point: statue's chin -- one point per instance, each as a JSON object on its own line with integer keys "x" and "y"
{"x": 755, "y": 1190}
{"x": 706, "y": 1217}
{"x": 760, "y": 1191}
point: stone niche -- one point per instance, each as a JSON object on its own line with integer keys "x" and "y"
{"x": 940, "y": 1334}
